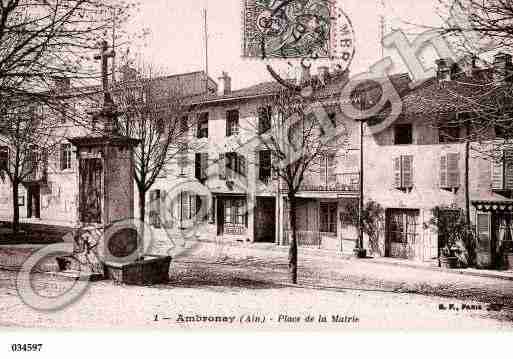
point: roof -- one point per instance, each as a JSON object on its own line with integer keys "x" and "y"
{"x": 463, "y": 93}
{"x": 332, "y": 89}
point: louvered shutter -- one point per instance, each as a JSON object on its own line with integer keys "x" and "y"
{"x": 332, "y": 167}
{"x": 322, "y": 170}
{"x": 397, "y": 172}
{"x": 453, "y": 170}
{"x": 222, "y": 166}
{"x": 185, "y": 207}
{"x": 443, "y": 172}
{"x": 407, "y": 171}
{"x": 508, "y": 169}
{"x": 274, "y": 166}
{"x": 498, "y": 173}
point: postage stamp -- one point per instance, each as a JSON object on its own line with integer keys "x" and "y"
{"x": 287, "y": 29}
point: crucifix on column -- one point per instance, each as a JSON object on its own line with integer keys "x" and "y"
{"x": 105, "y": 54}
{"x": 108, "y": 113}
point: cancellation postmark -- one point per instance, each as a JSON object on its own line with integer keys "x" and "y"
{"x": 288, "y": 29}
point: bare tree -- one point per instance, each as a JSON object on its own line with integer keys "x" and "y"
{"x": 299, "y": 134}
{"x": 44, "y": 39}
{"x": 154, "y": 114}
{"x": 27, "y": 139}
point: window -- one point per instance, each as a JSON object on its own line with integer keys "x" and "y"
{"x": 184, "y": 125}
{"x": 265, "y": 166}
{"x": 403, "y": 172}
{"x": 4, "y": 158}
{"x": 503, "y": 127}
{"x": 328, "y": 217}
{"x": 264, "y": 119}
{"x": 449, "y": 133}
{"x": 66, "y": 155}
{"x": 403, "y": 134}
{"x": 328, "y": 166}
{"x": 201, "y": 163}
{"x": 203, "y": 125}
{"x": 160, "y": 125}
{"x": 155, "y": 206}
{"x": 502, "y": 171}
{"x": 449, "y": 170}
{"x": 232, "y": 123}
{"x": 235, "y": 163}
{"x": 402, "y": 226}
{"x": 235, "y": 212}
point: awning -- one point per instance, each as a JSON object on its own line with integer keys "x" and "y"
{"x": 492, "y": 206}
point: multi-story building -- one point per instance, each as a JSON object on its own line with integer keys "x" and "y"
{"x": 442, "y": 150}
{"x": 51, "y": 195}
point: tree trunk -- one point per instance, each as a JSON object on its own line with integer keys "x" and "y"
{"x": 15, "y": 208}
{"x": 142, "y": 205}
{"x": 467, "y": 189}
{"x": 293, "y": 242}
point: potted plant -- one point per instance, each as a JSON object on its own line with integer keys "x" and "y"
{"x": 447, "y": 258}
{"x": 456, "y": 239}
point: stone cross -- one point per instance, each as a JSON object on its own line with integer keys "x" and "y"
{"x": 104, "y": 56}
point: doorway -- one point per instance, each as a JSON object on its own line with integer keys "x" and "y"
{"x": 265, "y": 220}
{"x": 34, "y": 202}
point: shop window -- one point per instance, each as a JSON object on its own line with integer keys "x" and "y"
{"x": 235, "y": 212}
{"x": 402, "y": 226}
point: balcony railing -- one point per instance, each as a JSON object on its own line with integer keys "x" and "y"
{"x": 344, "y": 182}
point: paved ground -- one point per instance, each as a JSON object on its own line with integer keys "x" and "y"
{"x": 234, "y": 282}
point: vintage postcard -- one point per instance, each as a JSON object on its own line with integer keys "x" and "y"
{"x": 256, "y": 165}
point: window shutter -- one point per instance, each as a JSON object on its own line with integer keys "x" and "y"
{"x": 508, "y": 169}
{"x": 322, "y": 170}
{"x": 332, "y": 166}
{"x": 222, "y": 166}
{"x": 407, "y": 171}
{"x": 63, "y": 157}
{"x": 397, "y": 172}
{"x": 228, "y": 124}
{"x": 274, "y": 166}
{"x": 44, "y": 164}
{"x": 483, "y": 233}
{"x": 204, "y": 165}
{"x": 498, "y": 174}
{"x": 443, "y": 172}
{"x": 242, "y": 165}
{"x": 453, "y": 170}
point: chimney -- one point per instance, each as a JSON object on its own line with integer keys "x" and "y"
{"x": 444, "y": 69}
{"x": 324, "y": 74}
{"x": 503, "y": 68}
{"x": 470, "y": 65}
{"x": 225, "y": 84}
{"x": 61, "y": 84}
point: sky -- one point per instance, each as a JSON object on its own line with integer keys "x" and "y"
{"x": 176, "y": 40}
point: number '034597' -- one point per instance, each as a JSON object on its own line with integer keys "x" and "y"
{"x": 26, "y": 347}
